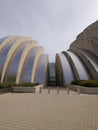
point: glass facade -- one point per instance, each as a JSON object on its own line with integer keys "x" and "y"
{"x": 3, "y": 39}
{"x": 3, "y": 55}
{"x": 68, "y": 75}
{"x": 14, "y": 62}
{"x": 81, "y": 69}
{"x": 15, "y": 67}
{"x": 73, "y": 64}
{"x": 28, "y": 65}
{"x": 52, "y": 74}
{"x": 41, "y": 70}
{"x": 91, "y": 57}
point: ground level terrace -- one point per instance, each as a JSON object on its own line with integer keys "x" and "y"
{"x": 29, "y": 111}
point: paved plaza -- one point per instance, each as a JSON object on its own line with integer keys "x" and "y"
{"x": 28, "y": 111}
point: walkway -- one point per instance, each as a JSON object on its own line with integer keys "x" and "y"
{"x": 48, "y": 111}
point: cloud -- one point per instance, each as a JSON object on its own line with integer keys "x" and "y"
{"x": 53, "y": 23}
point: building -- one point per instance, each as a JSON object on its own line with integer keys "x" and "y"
{"x": 22, "y": 60}
{"x": 80, "y": 62}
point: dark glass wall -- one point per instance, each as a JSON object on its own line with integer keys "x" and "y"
{"x": 14, "y": 62}
{"x": 3, "y": 39}
{"x": 28, "y": 65}
{"x": 68, "y": 75}
{"x": 52, "y": 74}
{"x": 91, "y": 57}
{"x": 3, "y": 55}
{"x": 81, "y": 69}
{"x": 41, "y": 73}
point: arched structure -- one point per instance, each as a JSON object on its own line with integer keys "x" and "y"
{"x": 21, "y": 59}
{"x": 81, "y": 60}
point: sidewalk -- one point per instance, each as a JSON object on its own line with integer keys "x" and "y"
{"x": 28, "y": 111}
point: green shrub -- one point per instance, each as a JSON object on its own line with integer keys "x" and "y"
{"x": 6, "y": 85}
{"x": 9, "y": 85}
{"x": 86, "y": 83}
{"x": 77, "y": 82}
{"x": 27, "y": 84}
{"x": 89, "y": 83}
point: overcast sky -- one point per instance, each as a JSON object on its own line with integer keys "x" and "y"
{"x": 53, "y": 23}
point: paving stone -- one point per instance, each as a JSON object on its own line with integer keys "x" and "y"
{"x": 29, "y": 111}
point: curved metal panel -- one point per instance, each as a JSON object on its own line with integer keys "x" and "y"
{"x": 34, "y": 69}
{"x": 25, "y": 53}
{"x": 13, "y": 48}
{"x": 28, "y": 65}
{"x": 41, "y": 70}
{"x": 83, "y": 74}
{"x": 3, "y": 39}
{"x": 67, "y": 70}
{"x": 93, "y": 59}
{"x": 7, "y": 40}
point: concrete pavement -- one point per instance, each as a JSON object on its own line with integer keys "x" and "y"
{"x": 28, "y": 111}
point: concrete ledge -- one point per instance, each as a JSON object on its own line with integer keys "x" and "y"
{"x": 86, "y": 90}
{"x": 5, "y": 90}
{"x": 20, "y": 89}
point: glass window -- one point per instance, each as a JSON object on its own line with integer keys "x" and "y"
{"x": 14, "y": 62}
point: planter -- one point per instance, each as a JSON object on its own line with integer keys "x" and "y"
{"x": 22, "y": 89}
{"x": 86, "y": 90}
{"x": 5, "y": 90}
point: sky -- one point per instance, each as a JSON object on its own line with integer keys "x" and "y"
{"x": 54, "y": 24}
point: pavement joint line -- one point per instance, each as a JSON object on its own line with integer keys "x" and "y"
{"x": 29, "y": 111}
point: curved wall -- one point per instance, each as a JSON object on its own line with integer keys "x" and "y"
{"x": 88, "y": 39}
{"x": 82, "y": 57}
{"x": 67, "y": 72}
{"x": 21, "y": 59}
